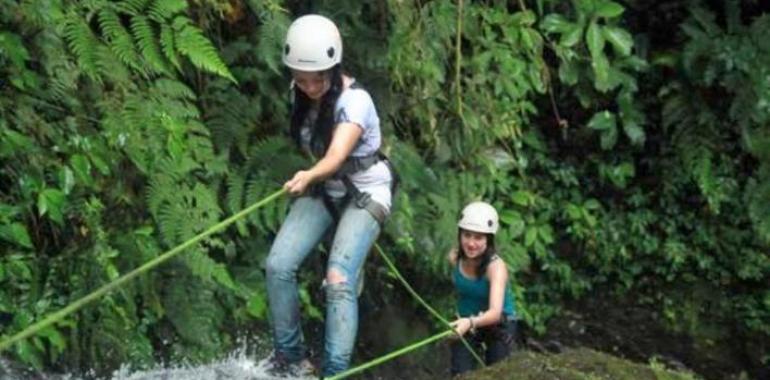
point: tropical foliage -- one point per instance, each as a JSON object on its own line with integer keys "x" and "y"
{"x": 626, "y": 155}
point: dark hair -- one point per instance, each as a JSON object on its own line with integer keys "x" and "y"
{"x": 321, "y": 130}
{"x": 485, "y": 258}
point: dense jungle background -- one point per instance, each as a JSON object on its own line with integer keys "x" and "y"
{"x": 626, "y": 145}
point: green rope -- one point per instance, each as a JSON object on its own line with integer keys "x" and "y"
{"x": 56, "y": 316}
{"x": 391, "y": 355}
{"x": 425, "y": 304}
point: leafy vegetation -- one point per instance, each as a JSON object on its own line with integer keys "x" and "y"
{"x": 623, "y": 153}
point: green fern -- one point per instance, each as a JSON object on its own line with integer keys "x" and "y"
{"x": 190, "y": 41}
{"x": 148, "y": 44}
{"x": 231, "y": 117}
{"x": 132, "y": 7}
{"x": 269, "y": 217}
{"x": 63, "y": 84}
{"x": 207, "y": 269}
{"x": 193, "y": 308}
{"x": 119, "y": 39}
{"x": 165, "y": 87}
{"x": 271, "y": 162}
{"x": 84, "y": 44}
{"x": 112, "y": 68}
{"x": 167, "y": 45}
{"x": 759, "y": 205}
{"x": 117, "y": 331}
{"x": 270, "y": 44}
{"x": 234, "y": 200}
{"x": 163, "y": 10}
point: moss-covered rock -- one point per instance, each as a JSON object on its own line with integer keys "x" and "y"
{"x": 573, "y": 364}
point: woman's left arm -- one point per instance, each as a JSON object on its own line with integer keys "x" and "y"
{"x": 498, "y": 277}
{"x": 343, "y": 141}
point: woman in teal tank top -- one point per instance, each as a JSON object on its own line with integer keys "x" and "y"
{"x": 485, "y": 306}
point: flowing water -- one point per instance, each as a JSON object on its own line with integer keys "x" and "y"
{"x": 236, "y": 366}
{"x": 382, "y": 329}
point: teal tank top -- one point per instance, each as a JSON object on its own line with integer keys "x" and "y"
{"x": 473, "y": 295}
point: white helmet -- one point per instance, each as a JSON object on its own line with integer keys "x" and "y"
{"x": 479, "y": 217}
{"x": 313, "y": 43}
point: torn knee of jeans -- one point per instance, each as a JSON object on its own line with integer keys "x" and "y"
{"x": 334, "y": 276}
{"x": 338, "y": 292}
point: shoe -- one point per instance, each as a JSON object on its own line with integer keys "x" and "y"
{"x": 279, "y": 366}
{"x": 303, "y": 368}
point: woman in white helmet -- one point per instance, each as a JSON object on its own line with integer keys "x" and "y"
{"x": 485, "y": 304}
{"x": 346, "y": 192}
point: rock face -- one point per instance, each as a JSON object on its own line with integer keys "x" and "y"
{"x": 573, "y": 364}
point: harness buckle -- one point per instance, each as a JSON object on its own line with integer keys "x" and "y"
{"x": 362, "y": 199}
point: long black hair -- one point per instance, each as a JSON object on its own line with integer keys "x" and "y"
{"x": 321, "y": 130}
{"x": 486, "y": 258}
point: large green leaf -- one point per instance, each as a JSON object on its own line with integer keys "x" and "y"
{"x": 620, "y": 39}
{"x": 608, "y": 9}
{"x": 595, "y": 39}
{"x": 16, "y": 233}
{"x": 556, "y": 23}
{"x": 51, "y": 202}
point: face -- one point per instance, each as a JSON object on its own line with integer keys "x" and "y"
{"x": 474, "y": 244}
{"x": 313, "y": 83}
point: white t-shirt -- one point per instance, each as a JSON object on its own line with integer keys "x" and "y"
{"x": 356, "y": 106}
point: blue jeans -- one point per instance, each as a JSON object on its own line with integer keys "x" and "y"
{"x": 304, "y": 227}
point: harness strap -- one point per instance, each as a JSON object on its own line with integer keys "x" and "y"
{"x": 364, "y": 200}
{"x": 357, "y": 164}
{"x": 360, "y": 198}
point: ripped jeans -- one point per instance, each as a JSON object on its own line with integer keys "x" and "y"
{"x": 304, "y": 227}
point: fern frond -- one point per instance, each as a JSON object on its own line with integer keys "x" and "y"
{"x": 268, "y": 218}
{"x": 187, "y": 212}
{"x": 148, "y": 44}
{"x": 759, "y": 207}
{"x": 84, "y": 44}
{"x": 177, "y": 109}
{"x": 275, "y": 158}
{"x": 194, "y": 311}
{"x": 270, "y": 44}
{"x": 191, "y": 42}
{"x": 178, "y": 168}
{"x": 168, "y": 45}
{"x": 200, "y": 146}
{"x": 231, "y": 117}
{"x": 63, "y": 83}
{"x": 234, "y": 199}
{"x": 112, "y": 67}
{"x": 270, "y": 162}
{"x": 207, "y": 269}
{"x": 162, "y": 10}
{"x": 118, "y": 329}
{"x": 159, "y": 191}
{"x": 118, "y": 39}
{"x": 132, "y": 7}
{"x": 172, "y": 88}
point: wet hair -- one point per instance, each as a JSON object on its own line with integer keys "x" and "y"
{"x": 321, "y": 131}
{"x": 486, "y": 258}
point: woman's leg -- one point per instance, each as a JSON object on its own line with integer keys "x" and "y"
{"x": 462, "y": 359}
{"x": 305, "y": 225}
{"x": 501, "y": 341}
{"x": 356, "y": 232}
